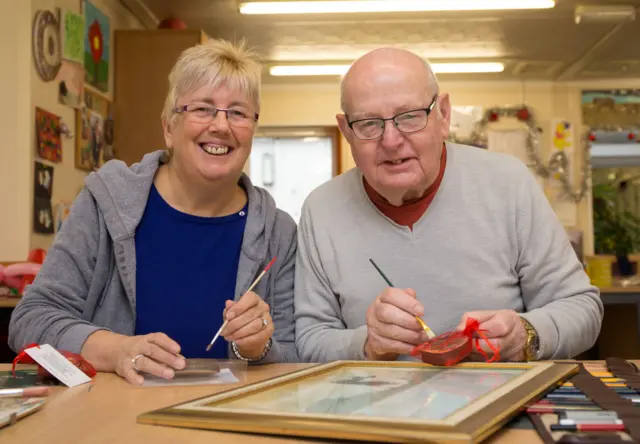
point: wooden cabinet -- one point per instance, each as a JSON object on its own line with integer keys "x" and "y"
{"x": 142, "y": 61}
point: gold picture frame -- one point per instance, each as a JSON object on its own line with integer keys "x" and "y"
{"x": 94, "y": 131}
{"x": 375, "y": 401}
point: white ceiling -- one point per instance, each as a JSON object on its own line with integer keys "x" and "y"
{"x": 535, "y": 44}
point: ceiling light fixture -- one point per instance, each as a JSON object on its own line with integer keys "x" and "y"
{"x": 339, "y": 70}
{"x": 605, "y": 13}
{"x": 338, "y": 6}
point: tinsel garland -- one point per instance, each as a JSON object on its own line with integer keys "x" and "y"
{"x": 558, "y": 166}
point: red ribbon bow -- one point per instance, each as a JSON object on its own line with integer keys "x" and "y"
{"x": 473, "y": 325}
{"x": 452, "y": 347}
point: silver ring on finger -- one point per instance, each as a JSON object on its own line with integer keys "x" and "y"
{"x": 134, "y": 362}
{"x": 265, "y": 322}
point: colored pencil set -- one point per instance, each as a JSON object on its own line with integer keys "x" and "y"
{"x": 577, "y": 412}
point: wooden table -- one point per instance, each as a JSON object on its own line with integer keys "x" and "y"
{"x": 9, "y": 301}
{"x": 105, "y": 411}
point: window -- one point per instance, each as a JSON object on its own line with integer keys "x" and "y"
{"x": 291, "y": 164}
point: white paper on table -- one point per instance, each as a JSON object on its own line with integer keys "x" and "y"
{"x": 224, "y": 376}
{"x": 59, "y": 366}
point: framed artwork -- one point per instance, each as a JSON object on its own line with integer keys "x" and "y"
{"x": 42, "y": 192}
{"x": 48, "y": 136}
{"x": 70, "y": 84}
{"x": 72, "y": 36}
{"x": 97, "y": 44}
{"x": 63, "y": 210}
{"x": 375, "y": 401}
{"x": 42, "y": 180}
{"x": 94, "y": 132}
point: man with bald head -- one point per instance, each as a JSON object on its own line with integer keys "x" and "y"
{"x": 461, "y": 231}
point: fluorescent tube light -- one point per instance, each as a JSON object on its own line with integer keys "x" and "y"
{"x": 458, "y": 68}
{"x": 605, "y": 13}
{"x": 309, "y": 70}
{"x": 339, "y": 70}
{"x": 338, "y": 6}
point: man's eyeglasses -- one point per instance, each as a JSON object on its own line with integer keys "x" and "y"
{"x": 406, "y": 122}
{"x": 206, "y": 113}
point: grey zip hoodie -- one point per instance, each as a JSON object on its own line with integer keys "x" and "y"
{"x": 88, "y": 282}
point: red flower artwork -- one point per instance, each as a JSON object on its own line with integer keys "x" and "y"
{"x": 95, "y": 41}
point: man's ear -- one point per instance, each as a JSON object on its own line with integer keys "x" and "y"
{"x": 444, "y": 105}
{"x": 344, "y": 127}
{"x": 168, "y": 136}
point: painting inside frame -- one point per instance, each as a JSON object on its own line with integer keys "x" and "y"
{"x": 388, "y": 402}
{"x": 94, "y": 140}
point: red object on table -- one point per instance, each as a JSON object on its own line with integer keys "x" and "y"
{"x": 36, "y": 256}
{"x": 74, "y": 358}
{"x": 452, "y": 347}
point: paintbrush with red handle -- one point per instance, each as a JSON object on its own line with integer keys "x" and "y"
{"x": 224, "y": 324}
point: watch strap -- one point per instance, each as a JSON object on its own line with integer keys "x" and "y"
{"x": 532, "y": 344}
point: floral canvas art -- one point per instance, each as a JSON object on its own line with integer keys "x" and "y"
{"x": 97, "y": 44}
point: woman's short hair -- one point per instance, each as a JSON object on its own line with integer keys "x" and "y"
{"x": 214, "y": 63}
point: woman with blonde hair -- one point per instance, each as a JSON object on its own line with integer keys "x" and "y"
{"x": 154, "y": 256}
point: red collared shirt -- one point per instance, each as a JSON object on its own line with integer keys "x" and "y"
{"x": 409, "y": 213}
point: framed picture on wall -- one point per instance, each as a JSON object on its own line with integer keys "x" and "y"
{"x": 94, "y": 127}
{"x": 97, "y": 46}
{"x": 48, "y": 136}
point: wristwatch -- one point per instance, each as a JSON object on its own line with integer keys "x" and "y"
{"x": 532, "y": 345}
{"x": 236, "y": 352}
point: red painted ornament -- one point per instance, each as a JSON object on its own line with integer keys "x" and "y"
{"x": 631, "y": 136}
{"x": 592, "y": 137}
{"x": 446, "y": 349}
{"x": 523, "y": 114}
{"x": 493, "y": 117}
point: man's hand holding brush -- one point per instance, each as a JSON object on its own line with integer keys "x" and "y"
{"x": 392, "y": 327}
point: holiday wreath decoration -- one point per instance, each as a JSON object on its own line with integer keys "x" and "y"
{"x": 558, "y": 166}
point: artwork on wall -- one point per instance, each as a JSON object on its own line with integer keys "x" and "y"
{"x": 63, "y": 209}
{"x": 94, "y": 127}
{"x": 42, "y": 216}
{"x": 43, "y": 180}
{"x": 97, "y": 36}
{"x": 46, "y": 48}
{"x": 42, "y": 192}
{"x": 48, "y": 136}
{"x": 70, "y": 84}
{"x": 613, "y": 115}
{"x": 72, "y": 36}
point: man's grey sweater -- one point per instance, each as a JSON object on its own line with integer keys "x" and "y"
{"x": 488, "y": 241}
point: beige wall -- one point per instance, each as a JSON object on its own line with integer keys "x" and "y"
{"x": 15, "y": 130}
{"x": 292, "y": 105}
{"x": 68, "y": 181}
{"x": 312, "y": 105}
